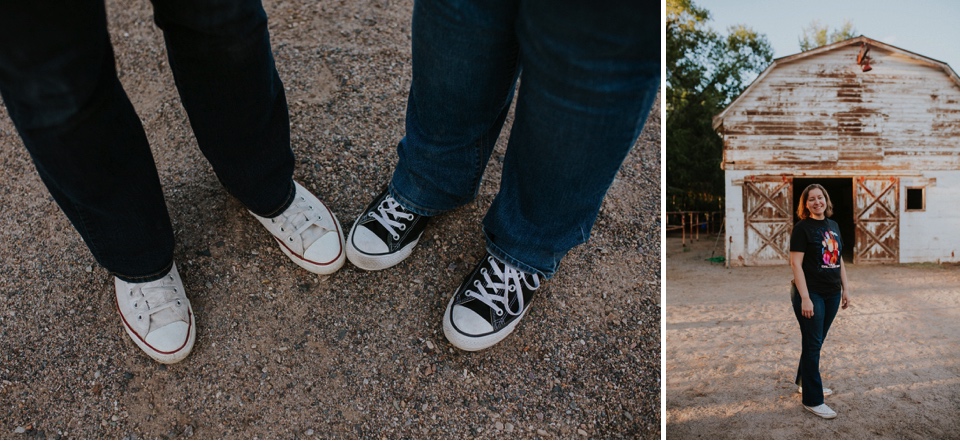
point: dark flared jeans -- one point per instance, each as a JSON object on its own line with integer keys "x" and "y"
{"x": 59, "y": 82}
{"x": 590, "y": 73}
{"x": 813, "y": 331}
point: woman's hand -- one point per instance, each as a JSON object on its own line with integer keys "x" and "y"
{"x": 844, "y": 300}
{"x": 806, "y": 306}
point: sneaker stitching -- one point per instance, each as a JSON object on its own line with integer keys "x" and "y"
{"x": 143, "y": 339}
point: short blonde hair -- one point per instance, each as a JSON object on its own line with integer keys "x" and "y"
{"x": 802, "y": 210}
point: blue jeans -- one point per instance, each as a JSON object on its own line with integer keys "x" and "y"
{"x": 813, "y": 331}
{"x": 590, "y": 74}
{"x": 59, "y": 82}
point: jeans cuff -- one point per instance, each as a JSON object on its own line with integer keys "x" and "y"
{"x": 291, "y": 194}
{"x": 144, "y": 279}
{"x": 409, "y": 205}
{"x": 505, "y": 257}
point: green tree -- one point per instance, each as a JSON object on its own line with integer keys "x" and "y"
{"x": 705, "y": 72}
{"x": 817, "y": 34}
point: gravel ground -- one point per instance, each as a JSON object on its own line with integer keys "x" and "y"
{"x": 733, "y": 342}
{"x": 282, "y": 353}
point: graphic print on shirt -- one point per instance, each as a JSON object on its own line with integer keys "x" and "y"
{"x": 831, "y": 249}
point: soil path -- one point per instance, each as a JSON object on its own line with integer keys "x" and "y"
{"x": 733, "y": 344}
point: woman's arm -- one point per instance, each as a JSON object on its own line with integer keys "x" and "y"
{"x": 796, "y": 263}
{"x": 845, "y": 287}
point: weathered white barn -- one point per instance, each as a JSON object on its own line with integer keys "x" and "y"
{"x": 881, "y": 132}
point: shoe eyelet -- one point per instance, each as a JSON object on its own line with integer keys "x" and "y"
{"x": 396, "y": 237}
{"x": 290, "y": 239}
{"x": 402, "y": 227}
{"x": 499, "y": 313}
{"x": 282, "y": 230}
{"x": 179, "y": 304}
{"x": 139, "y": 317}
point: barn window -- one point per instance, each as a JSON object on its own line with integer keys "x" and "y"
{"x": 916, "y": 199}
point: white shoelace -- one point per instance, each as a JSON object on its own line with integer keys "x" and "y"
{"x": 156, "y": 296}
{"x": 388, "y": 209}
{"x": 297, "y": 219}
{"x": 507, "y": 279}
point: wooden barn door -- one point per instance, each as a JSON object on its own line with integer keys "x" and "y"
{"x": 877, "y": 220}
{"x": 767, "y": 219}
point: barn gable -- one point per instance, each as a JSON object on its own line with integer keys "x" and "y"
{"x": 818, "y": 109}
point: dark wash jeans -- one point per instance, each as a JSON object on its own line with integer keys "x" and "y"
{"x": 591, "y": 71}
{"x": 59, "y": 82}
{"x": 813, "y": 331}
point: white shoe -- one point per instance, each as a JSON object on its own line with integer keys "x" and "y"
{"x": 822, "y": 411}
{"x": 308, "y": 233}
{"x": 826, "y": 391}
{"x": 158, "y": 317}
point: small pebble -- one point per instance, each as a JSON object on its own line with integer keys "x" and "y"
{"x": 188, "y": 431}
{"x": 19, "y": 429}
{"x": 498, "y": 425}
{"x": 430, "y": 345}
{"x": 628, "y": 416}
{"x": 542, "y": 432}
{"x": 309, "y": 432}
{"x": 508, "y": 427}
{"x": 582, "y": 432}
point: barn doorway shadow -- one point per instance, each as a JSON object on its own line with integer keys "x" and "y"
{"x": 841, "y": 194}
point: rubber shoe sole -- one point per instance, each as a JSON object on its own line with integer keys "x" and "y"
{"x": 822, "y": 411}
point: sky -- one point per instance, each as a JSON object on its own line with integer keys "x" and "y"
{"x": 926, "y": 27}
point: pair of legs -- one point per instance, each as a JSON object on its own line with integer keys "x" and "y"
{"x": 813, "y": 331}
{"x": 590, "y": 73}
{"x": 59, "y": 82}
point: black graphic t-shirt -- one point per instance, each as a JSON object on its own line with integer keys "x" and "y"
{"x": 820, "y": 243}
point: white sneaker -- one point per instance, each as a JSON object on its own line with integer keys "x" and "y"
{"x": 822, "y": 411}
{"x": 308, "y": 233}
{"x": 826, "y": 391}
{"x": 158, "y": 317}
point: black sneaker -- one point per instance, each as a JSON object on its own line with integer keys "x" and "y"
{"x": 384, "y": 234}
{"x": 488, "y": 304}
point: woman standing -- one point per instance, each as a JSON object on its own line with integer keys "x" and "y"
{"x": 820, "y": 288}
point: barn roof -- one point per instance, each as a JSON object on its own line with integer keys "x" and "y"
{"x": 718, "y": 119}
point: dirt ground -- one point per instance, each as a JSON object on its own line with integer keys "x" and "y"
{"x": 733, "y": 345}
{"x": 282, "y": 353}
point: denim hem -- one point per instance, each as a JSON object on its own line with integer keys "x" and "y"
{"x": 409, "y": 205}
{"x": 147, "y": 278}
{"x": 291, "y": 194}
{"x": 505, "y": 257}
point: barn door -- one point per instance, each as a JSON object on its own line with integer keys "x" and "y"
{"x": 877, "y": 220}
{"x": 767, "y": 219}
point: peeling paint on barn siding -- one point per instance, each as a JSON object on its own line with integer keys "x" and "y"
{"x": 821, "y": 112}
